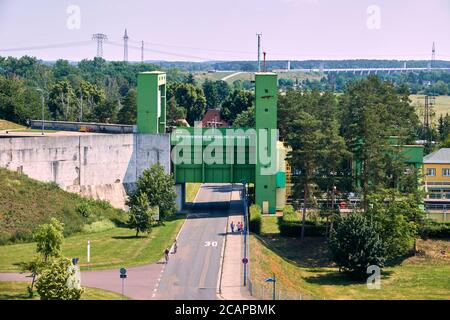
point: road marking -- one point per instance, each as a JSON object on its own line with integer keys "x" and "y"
{"x": 205, "y": 269}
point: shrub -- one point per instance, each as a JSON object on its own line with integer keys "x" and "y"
{"x": 255, "y": 219}
{"x": 355, "y": 245}
{"x": 290, "y": 225}
{"x": 56, "y": 282}
{"x": 434, "y": 229}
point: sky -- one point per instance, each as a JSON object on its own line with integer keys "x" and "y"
{"x": 201, "y": 30}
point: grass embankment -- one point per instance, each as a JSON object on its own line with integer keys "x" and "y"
{"x": 8, "y": 125}
{"x": 113, "y": 248}
{"x": 25, "y": 203}
{"x": 304, "y": 268}
{"x": 10, "y": 290}
{"x": 191, "y": 191}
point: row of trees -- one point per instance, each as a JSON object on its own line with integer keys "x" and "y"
{"x": 100, "y": 91}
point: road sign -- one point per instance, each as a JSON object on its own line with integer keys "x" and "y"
{"x": 245, "y": 261}
{"x": 123, "y": 273}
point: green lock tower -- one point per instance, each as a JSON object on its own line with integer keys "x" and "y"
{"x": 151, "y": 102}
{"x": 266, "y": 94}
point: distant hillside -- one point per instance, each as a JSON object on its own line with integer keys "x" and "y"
{"x": 25, "y": 203}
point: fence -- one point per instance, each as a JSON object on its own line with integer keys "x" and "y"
{"x": 264, "y": 291}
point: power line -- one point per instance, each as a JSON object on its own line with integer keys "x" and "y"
{"x": 49, "y": 46}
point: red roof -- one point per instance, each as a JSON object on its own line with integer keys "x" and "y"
{"x": 212, "y": 118}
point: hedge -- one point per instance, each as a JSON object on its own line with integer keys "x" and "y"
{"x": 294, "y": 229}
{"x": 434, "y": 229}
{"x": 255, "y": 219}
{"x": 290, "y": 225}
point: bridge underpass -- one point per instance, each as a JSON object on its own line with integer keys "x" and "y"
{"x": 193, "y": 272}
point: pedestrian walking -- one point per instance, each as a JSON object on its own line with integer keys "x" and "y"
{"x": 166, "y": 255}
{"x": 239, "y": 226}
{"x": 232, "y": 227}
{"x": 175, "y": 246}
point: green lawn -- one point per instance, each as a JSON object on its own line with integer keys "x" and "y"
{"x": 112, "y": 248}
{"x": 191, "y": 191}
{"x": 7, "y": 125}
{"x": 10, "y": 290}
{"x": 304, "y": 270}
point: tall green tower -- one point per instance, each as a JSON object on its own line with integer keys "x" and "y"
{"x": 151, "y": 102}
{"x": 266, "y": 94}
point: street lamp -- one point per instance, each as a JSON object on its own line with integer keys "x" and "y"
{"x": 246, "y": 233}
{"x": 274, "y": 281}
{"x": 43, "y": 102}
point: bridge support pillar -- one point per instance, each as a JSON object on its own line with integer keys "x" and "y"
{"x": 180, "y": 201}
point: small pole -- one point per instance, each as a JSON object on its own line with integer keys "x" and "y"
{"x": 122, "y": 287}
{"x": 89, "y": 252}
{"x": 274, "y": 287}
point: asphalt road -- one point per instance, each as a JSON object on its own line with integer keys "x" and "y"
{"x": 192, "y": 273}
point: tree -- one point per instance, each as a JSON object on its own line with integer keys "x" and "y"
{"x": 211, "y": 95}
{"x": 35, "y": 266}
{"x": 356, "y": 245}
{"x": 106, "y": 112}
{"x": 304, "y": 140}
{"x": 245, "y": 119}
{"x": 397, "y": 218}
{"x": 190, "y": 98}
{"x": 372, "y": 112}
{"x": 174, "y": 112}
{"x": 158, "y": 187}
{"x": 49, "y": 238}
{"x": 57, "y": 282}
{"x": 237, "y": 102}
{"x": 128, "y": 113}
{"x": 141, "y": 215}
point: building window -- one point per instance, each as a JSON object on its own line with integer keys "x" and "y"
{"x": 446, "y": 172}
{"x": 431, "y": 172}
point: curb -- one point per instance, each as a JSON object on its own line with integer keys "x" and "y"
{"x": 222, "y": 255}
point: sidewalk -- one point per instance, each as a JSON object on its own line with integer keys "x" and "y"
{"x": 231, "y": 287}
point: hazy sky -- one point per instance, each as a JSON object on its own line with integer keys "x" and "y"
{"x": 226, "y": 29}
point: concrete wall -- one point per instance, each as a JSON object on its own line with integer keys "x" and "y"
{"x": 98, "y": 166}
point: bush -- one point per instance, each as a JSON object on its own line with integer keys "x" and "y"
{"x": 290, "y": 225}
{"x": 294, "y": 229}
{"x": 255, "y": 219}
{"x": 56, "y": 282}
{"x": 433, "y": 229}
{"x": 355, "y": 245}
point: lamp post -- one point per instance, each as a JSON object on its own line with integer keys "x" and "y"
{"x": 43, "y": 102}
{"x": 246, "y": 233}
{"x": 274, "y": 281}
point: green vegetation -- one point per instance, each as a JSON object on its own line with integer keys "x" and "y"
{"x": 57, "y": 281}
{"x": 11, "y": 290}
{"x": 111, "y": 248}
{"x": 158, "y": 187}
{"x": 355, "y": 245}
{"x": 255, "y": 219}
{"x": 303, "y": 269}
{"x": 191, "y": 191}
{"x": 8, "y": 125}
{"x": 26, "y": 203}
